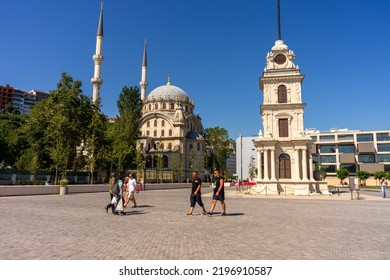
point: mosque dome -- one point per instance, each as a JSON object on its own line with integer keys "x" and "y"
{"x": 168, "y": 91}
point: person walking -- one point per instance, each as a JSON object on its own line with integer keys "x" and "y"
{"x": 196, "y": 196}
{"x": 383, "y": 182}
{"x": 218, "y": 193}
{"x": 118, "y": 191}
{"x": 111, "y": 185}
{"x": 132, "y": 184}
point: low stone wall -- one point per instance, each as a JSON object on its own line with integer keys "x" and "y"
{"x": 43, "y": 190}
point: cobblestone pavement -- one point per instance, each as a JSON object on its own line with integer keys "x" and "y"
{"x": 77, "y": 227}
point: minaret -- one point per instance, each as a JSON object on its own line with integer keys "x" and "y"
{"x": 144, "y": 82}
{"x": 98, "y": 59}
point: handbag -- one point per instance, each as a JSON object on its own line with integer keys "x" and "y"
{"x": 119, "y": 206}
{"x": 113, "y": 201}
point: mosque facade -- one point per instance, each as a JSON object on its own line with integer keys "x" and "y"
{"x": 171, "y": 139}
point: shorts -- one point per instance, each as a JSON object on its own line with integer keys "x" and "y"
{"x": 220, "y": 197}
{"x": 130, "y": 194}
{"x": 196, "y": 198}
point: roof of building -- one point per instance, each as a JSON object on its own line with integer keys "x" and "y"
{"x": 167, "y": 92}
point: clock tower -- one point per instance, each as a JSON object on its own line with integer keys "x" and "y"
{"x": 284, "y": 150}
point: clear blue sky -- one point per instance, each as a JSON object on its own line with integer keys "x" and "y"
{"x": 213, "y": 49}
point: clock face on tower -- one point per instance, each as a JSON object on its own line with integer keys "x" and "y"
{"x": 280, "y": 59}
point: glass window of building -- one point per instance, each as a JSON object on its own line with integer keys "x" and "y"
{"x": 382, "y": 137}
{"x": 155, "y": 123}
{"x": 162, "y": 123}
{"x": 347, "y": 149}
{"x": 155, "y": 133}
{"x": 344, "y": 137}
{"x": 327, "y": 149}
{"x": 328, "y": 159}
{"x": 314, "y": 138}
{"x": 366, "y": 158}
{"x": 162, "y": 133}
{"x": 365, "y": 137}
{"x": 384, "y": 158}
{"x": 350, "y": 167}
{"x": 329, "y": 168}
{"x": 324, "y": 138}
{"x": 315, "y": 158}
{"x": 170, "y": 132}
{"x": 383, "y": 147}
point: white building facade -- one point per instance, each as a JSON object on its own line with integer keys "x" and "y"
{"x": 246, "y": 157}
{"x": 284, "y": 150}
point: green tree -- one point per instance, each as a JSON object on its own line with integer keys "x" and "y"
{"x": 96, "y": 141}
{"x": 378, "y": 175}
{"x": 57, "y": 126}
{"x": 127, "y": 127}
{"x": 12, "y": 139}
{"x": 342, "y": 174}
{"x": 363, "y": 175}
{"x": 218, "y": 148}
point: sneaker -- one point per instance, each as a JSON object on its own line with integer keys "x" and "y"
{"x": 105, "y": 207}
{"x": 209, "y": 214}
{"x": 204, "y": 213}
{"x": 188, "y": 214}
{"x": 223, "y": 214}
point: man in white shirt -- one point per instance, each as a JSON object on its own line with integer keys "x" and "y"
{"x": 130, "y": 194}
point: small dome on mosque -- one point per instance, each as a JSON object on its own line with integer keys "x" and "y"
{"x": 168, "y": 91}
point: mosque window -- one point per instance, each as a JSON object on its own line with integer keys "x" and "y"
{"x": 172, "y": 106}
{"x": 283, "y": 127}
{"x": 164, "y": 106}
{"x": 162, "y": 133}
{"x": 155, "y": 123}
{"x": 162, "y": 123}
{"x": 170, "y": 146}
{"x": 150, "y": 107}
{"x": 156, "y": 106}
{"x": 155, "y": 133}
{"x": 165, "y": 161}
{"x": 282, "y": 94}
{"x": 170, "y": 132}
{"x": 147, "y": 133}
{"x": 148, "y": 124}
{"x": 198, "y": 146}
{"x": 191, "y": 147}
{"x": 142, "y": 146}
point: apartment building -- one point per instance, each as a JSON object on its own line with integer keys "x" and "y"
{"x": 21, "y": 100}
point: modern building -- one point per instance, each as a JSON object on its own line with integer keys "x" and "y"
{"x": 246, "y": 157}
{"x": 21, "y": 100}
{"x": 6, "y": 95}
{"x": 354, "y": 150}
{"x": 170, "y": 131}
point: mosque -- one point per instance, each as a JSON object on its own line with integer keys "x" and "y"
{"x": 170, "y": 130}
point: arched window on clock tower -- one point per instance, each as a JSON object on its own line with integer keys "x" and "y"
{"x": 282, "y": 94}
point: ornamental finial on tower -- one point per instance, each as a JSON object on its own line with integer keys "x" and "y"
{"x": 100, "y": 25}
{"x": 169, "y": 80}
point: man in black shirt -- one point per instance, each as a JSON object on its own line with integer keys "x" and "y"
{"x": 218, "y": 193}
{"x": 195, "y": 193}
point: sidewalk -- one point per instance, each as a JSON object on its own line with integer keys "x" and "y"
{"x": 77, "y": 227}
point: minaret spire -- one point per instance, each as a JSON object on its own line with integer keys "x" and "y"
{"x": 98, "y": 59}
{"x": 144, "y": 82}
{"x": 279, "y": 28}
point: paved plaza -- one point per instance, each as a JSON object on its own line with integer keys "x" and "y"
{"x": 76, "y": 227}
